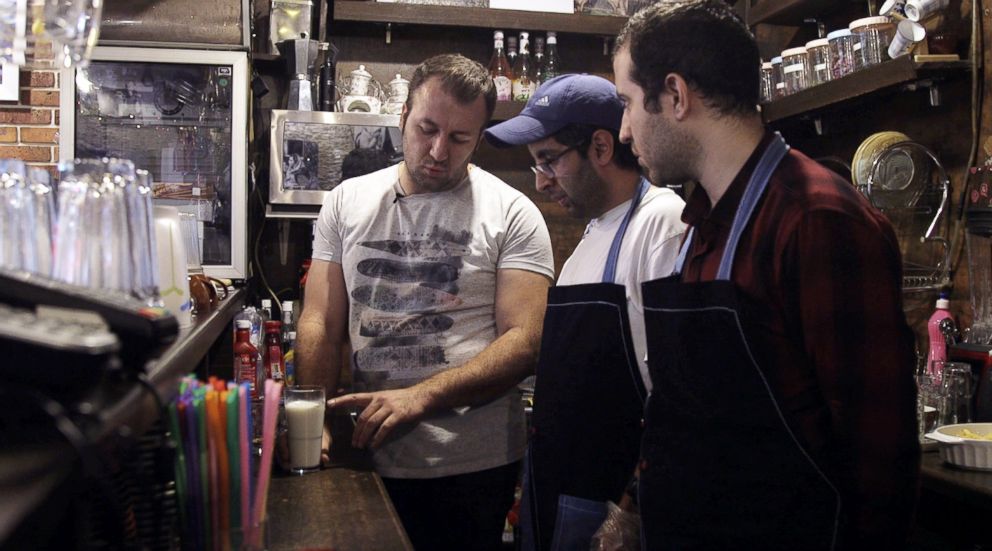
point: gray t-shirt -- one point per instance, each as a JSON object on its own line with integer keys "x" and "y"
{"x": 420, "y": 272}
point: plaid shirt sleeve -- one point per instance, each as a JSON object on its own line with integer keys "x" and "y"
{"x": 855, "y": 332}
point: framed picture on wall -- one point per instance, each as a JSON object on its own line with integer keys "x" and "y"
{"x": 9, "y": 81}
{"x": 313, "y": 151}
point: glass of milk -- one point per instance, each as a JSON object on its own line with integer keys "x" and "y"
{"x": 305, "y": 423}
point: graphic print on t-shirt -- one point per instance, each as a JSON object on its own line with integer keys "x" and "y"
{"x": 403, "y": 297}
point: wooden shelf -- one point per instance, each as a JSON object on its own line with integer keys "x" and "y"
{"x": 884, "y": 75}
{"x": 486, "y": 18}
{"x": 507, "y": 110}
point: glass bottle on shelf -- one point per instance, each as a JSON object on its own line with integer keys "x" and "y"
{"x": 523, "y": 83}
{"x": 500, "y": 70}
{"x": 539, "y": 76}
{"x": 552, "y": 67}
{"x": 511, "y": 50}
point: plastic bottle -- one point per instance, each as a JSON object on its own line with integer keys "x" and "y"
{"x": 288, "y": 323}
{"x": 245, "y": 356}
{"x": 938, "y": 344}
{"x": 275, "y": 368}
{"x": 289, "y": 360}
{"x": 266, "y": 311}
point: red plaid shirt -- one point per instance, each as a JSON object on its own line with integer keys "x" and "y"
{"x": 834, "y": 338}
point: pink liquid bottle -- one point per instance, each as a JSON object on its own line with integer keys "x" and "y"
{"x": 938, "y": 344}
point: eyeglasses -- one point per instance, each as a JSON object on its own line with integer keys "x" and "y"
{"x": 545, "y": 169}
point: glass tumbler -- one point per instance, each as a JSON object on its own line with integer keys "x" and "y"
{"x": 928, "y": 401}
{"x": 958, "y": 388}
{"x": 305, "y": 424}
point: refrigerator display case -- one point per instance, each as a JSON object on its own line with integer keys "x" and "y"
{"x": 180, "y": 114}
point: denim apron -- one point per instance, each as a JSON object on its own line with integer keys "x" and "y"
{"x": 720, "y": 466}
{"x": 588, "y": 405}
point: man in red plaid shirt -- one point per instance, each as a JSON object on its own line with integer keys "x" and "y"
{"x": 783, "y": 414}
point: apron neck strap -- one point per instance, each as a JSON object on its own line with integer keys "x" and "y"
{"x": 770, "y": 158}
{"x": 609, "y": 272}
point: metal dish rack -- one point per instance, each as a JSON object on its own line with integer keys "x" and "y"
{"x": 922, "y": 223}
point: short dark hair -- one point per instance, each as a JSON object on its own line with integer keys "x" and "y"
{"x": 579, "y": 136}
{"x": 461, "y": 77}
{"x": 705, "y": 42}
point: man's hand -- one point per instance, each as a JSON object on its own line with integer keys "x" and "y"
{"x": 325, "y": 446}
{"x": 383, "y": 412}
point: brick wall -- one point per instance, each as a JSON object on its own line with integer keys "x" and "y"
{"x": 29, "y": 127}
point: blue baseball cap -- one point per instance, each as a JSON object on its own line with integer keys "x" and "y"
{"x": 563, "y": 100}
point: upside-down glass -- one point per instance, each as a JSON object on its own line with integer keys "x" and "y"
{"x": 30, "y": 28}
{"x": 115, "y": 234}
{"x": 144, "y": 239}
{"x": 73, "y": 26}
{"x": 928, "y": 402}
{"x": 17, "y": 250}
{"x": 93, "y": 248}
{"x": 191, "y": 236}
{"x": 43, "y": 203}
{"x": 958, "y": 388}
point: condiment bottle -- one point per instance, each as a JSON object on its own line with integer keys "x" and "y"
{"x": 245, "y": 356}
{"x": 275, "y": 368}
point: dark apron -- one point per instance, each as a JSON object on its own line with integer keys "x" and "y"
{"x": 588, "y": 405}
{"x": 721, "y": 467}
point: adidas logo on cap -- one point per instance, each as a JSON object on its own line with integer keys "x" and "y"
{"x": 543, "y": 101}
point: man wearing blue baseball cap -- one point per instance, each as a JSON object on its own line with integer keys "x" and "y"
{"x": 591, "y": 376}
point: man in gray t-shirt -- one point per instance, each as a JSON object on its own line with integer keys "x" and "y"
{"x": 437, "y": 272}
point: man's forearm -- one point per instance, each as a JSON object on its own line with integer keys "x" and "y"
{"x": 318, "y": 357}
{"x": 500, "y": 366}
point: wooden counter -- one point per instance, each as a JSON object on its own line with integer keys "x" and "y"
{"x": 343, "y": 506}
{"x": 973, "y": 488}
{"x": 954, "y": 508}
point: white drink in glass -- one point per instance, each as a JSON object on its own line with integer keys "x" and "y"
{"x": 305, "y": 423}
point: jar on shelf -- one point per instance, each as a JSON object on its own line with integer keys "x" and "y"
{"x": 819, "y": 61}
{"x": 779, "y": 85}
{"x": 795, "y": 69}
{"x": 842, "y": 56}
{"x": 873, "y": 34}
{"x": 767, "y": 82}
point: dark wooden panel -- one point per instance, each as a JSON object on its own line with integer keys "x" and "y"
{"x": 507, "y": 110}
{"x": 791, "y": 12}
{"x": 476, "y": 17}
